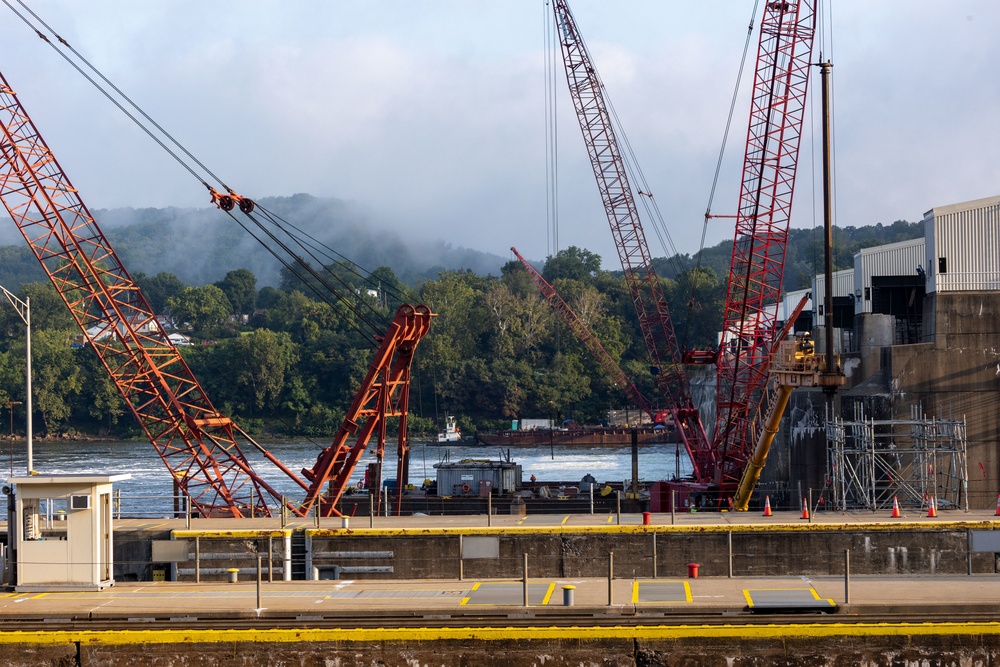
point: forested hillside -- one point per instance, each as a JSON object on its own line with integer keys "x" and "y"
{"x": 804, "y": 258}
{"x": 278, "y": 358}
{"x": 201, "y": 245}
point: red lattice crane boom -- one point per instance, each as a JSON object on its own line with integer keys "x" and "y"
{"x": 757, "y": 267}
{"x": 193, "y": 439}
{"x": 608, "y": 163}
{"x": 588, "y": 339}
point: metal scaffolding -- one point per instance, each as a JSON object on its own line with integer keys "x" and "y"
{"x": 912, "y": 460}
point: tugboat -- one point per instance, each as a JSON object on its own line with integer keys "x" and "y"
{"x": 450, "y": 432}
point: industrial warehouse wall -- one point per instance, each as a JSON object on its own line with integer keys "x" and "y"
{"x": 956, "y": 374}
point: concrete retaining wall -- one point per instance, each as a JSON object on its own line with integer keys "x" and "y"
{"x": 567, "y": 554}
{"x": 915, "y": 649}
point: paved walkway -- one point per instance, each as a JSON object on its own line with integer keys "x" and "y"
{"x": 355, "y": 598}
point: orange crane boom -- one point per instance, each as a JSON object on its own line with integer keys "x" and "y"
{"x": 193, "y": 439}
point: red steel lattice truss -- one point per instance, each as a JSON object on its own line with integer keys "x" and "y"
{"x": 608, "y": 165}
{"x": 193, "y": 439}
{"x": 773, "y": 136}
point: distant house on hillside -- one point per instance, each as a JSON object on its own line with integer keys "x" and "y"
{"x": 179, "y": 340}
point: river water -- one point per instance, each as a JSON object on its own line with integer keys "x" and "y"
{"x": 151, "y": 482}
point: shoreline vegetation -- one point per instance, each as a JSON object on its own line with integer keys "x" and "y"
{"x": 285, "y": 365}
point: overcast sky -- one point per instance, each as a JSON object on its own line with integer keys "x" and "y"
{"x": 429, "y": 114}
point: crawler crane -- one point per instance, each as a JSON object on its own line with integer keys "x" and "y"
{"x": 777, "y": 109}
{"x": 195, "y": 441}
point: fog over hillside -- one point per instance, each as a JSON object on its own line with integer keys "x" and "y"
{"x": 200, "y": 245}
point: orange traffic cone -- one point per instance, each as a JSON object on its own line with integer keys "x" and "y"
{"x": 805, "y": 508}
{"x": 931, "y": 508}
{"x": 998, "y": 506}
{"x": 767, "y": 505}
{"x": 895, "y": 508}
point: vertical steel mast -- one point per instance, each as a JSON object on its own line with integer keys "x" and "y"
{"x": 772, "y": 148}
{"x": 193, "y": 439}
{"x": 608, "y": 164}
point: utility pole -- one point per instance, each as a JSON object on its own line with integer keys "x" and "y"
{"x": 23, "y": 309}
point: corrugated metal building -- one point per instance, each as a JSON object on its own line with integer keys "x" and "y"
{"x": 885, "y": 267}
{"x": 963, "y": 246}
{"x": 843, "y": 286}
{"x": 790, "y": 300}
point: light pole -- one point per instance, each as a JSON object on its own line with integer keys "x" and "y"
{"x": 10, "y": 406}
{"x": 23, "y": 309}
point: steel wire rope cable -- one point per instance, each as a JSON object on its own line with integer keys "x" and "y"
{"x": 153, "y": 136}
{"x": 187, "y": 166}
{"x": 308, "y": 268}
{"x": 152, "y": 122}
{"x": 306, "y": 240}
{"x": 125, "y": 111}
{"x": 111, "y": 98}
{"x": 722, "y": 151}
{"x": 549, "y": 49}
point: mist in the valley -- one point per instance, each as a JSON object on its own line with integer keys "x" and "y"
{"x": 200, "y": 245}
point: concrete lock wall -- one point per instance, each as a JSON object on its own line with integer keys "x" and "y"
{"x": 749, "y": 649}
{"x": 752, "y": 553}
{"x": 955, "y": 375}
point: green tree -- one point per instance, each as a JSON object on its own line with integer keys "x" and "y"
{"x": 303, "y": 318}
{"x": 158, "y": 289}
{"x": 240, "y": 288}
{"x": 55, "y": 375}
{"x": 259, "y": 361}
{"x": 98, "y": 399}
{"x": 204, "y": 308}
{"x": 573, "y": 263}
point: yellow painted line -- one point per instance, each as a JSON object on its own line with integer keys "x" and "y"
{"x": 548, "y": 593}
{"x": 563, "y": 522}
{"x": 465, "y": 600}
{"x": 687, "y": 593}
{"x": 746, "y": 594}
{"x": 151, "y": 526}
{"x": 498, "y": 634}
{"x": 230, "y": 533}
{"x": 827, "y": 600}
{"x": 612, "y": 529}
{"x": 40, "y": 595}
{"x": 522, "y": 520}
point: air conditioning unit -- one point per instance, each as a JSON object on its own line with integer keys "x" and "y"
{"x": 79, "y": 502}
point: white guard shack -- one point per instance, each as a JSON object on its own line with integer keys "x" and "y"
{"x": 64, "y": 532}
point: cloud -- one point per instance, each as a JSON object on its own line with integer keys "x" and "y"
{"x": 431, "y": 114}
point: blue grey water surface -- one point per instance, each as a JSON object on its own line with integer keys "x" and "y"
{"x": 151, "y": 480}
